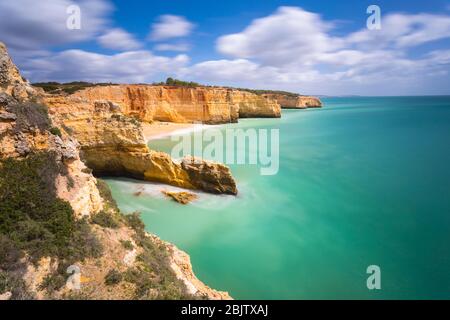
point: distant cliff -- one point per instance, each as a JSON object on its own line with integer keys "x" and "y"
{"x": 208, "y": 105}
{"x": 293, "y": 101}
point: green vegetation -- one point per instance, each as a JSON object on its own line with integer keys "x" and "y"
{"x": 261, "y": 92}
{"x": 153, "y": 272}
{"x": 10, "y": 282}
{"x": 34, "y": 220}
{"x": 127, "y": 244}
{"x": 177, "y": 83}
{"x": 191, "y": 84}
{"x": 70, "y": 183}
{"x": 68, "y": 87}
{"x": 113, "y": 277}
{"x": 134, "y": 221}
{"x": 105, "y": 193}
{"x": 55, "y": 131}
{"x": 105, "y": 220}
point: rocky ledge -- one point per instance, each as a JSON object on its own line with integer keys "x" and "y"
{"x": 209, "y": 105}
{"x": 55, "y": 216}
{"x": 294, "y": 101}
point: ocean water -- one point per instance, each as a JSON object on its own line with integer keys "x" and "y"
{"x": 362, "y": 181}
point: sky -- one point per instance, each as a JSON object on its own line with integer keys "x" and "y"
{"x": 308, "y": 47}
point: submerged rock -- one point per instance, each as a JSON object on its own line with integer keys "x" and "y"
{"x": 182, "y": 197}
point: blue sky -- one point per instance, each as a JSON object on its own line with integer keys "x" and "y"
{"x": 310, "y": 47}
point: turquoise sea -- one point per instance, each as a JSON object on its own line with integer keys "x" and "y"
{"x": 362, "y": 181}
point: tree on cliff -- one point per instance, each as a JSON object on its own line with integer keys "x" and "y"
{"x": 179, "y": 83}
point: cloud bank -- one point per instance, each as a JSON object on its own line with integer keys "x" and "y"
{"x": 290, "y": 49}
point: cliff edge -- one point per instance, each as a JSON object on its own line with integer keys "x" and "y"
{"x": 294, "y": 101}
{"x": 61, "y": 234}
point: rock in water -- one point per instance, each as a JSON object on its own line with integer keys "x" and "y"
{"x": 209, "y": 176}
{"x": 182, "y": 197}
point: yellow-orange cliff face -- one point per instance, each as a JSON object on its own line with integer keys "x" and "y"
{"x": 177, "y": 104}
{"x": 26, "y": 131}
{"x": 295, "y": 101}
{"x": 105, "y": 120}
{"x": 113, "y": 144}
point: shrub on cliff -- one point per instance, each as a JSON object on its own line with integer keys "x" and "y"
{"x": 127, "y": 244}
{"x": 180, "y": 83}
{"x": 113, "y": 277}
{"x": 105, "y": 219}
{"x": 34, "y": 219}
{"x": 105, "y": 193}
{"x": 10, "y": 282}
{"x": 55, "y": 131}
{"x": 134, "y": 221}
{"x": 68, "y": 87}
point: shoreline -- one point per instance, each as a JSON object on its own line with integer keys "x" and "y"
{"x": 159, "y": 130}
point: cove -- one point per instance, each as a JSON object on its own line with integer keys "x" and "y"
{"x": 362, "y": 181}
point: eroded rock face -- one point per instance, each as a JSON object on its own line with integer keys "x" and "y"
{"x": 181, "y": 265}
{"x": 113, "y": 144}
{"x": 251, "y": 105}
{"x": 25, "y": 129}
{"x": 295, "y": 101}
{"x": 11, "y": 82}
{"x": 209, "y": 176}
{"x": 173, "y": 104}
{"x": 182, "y": 197}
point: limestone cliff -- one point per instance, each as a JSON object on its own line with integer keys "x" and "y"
{"x": 292, "y": 101}
{"x": 176, "y": 104}
{"x": 113, "y": 144}
{"x": 54, "y": 213}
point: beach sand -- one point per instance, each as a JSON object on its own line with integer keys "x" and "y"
{"x": 158, "y": 130}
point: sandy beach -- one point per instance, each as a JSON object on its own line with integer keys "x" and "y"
{"x": 158, "y": 130}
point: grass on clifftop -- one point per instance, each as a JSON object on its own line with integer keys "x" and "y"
{"x": 68, "y": 87}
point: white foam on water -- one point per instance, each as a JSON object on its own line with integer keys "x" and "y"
{"x": 185, "y": 131}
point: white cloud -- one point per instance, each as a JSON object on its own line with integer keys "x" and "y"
{"x": 291, "y": 49}
{"x": 181, "y": 47}
{"x": 118, "y": 39}
{"x": 403, "y": 30}
{"x": 392, "y": 76}
{"x": 126, "y": 67}
{"x": 289, "y": 35}
{"x": 30, "y": 24}
{"x": 170, "y": 26}
{"x": 298, "y": 50}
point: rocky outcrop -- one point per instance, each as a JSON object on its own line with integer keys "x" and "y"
{"x": 173, "y": 104}
{"x": 113, "y": 145}
{"x": 25, "y": 128}
{"x": 26, "y": 131}
{"x": 182, "y": 197}
{"x": 181, "y": 264}
{"x": 11, "y": 82}
{"x": 251, "y": 105}
{"x": 293, "y": 101}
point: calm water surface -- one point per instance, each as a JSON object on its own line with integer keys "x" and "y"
{"x": 362, "y": 181}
